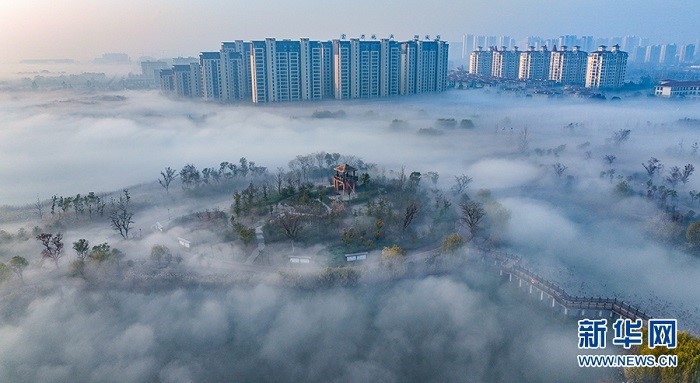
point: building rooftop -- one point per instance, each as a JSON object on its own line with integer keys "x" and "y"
{"x": 678, "y": 83}
{"x": 344, "y": 168}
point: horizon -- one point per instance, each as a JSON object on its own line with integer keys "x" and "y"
{"x": 192, "y": 27}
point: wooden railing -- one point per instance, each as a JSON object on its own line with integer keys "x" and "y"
{"x": 509, "y": 264}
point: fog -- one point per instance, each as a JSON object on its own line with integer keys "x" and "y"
{"x": 572, "y": 229}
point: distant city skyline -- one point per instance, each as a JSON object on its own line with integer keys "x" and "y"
{"x": 84, "y": 29}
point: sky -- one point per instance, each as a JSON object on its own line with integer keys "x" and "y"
{"x": 84, "y": 29}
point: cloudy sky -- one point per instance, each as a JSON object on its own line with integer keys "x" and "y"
{"x": 84, "y": 29}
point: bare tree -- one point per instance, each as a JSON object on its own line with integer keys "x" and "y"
{"x": 53, "y": 246}
{"x": 408, "y": 215}
{"x": 402, "y": 177}
{"x": 39, "y": 208}
{"x": 279, "y": 178}
{"x": 653, "y": 166}
{"x": 168, "y": 175}
{"x": 559, "y": 169}
{"x": 291, "y": 225}
{"x": 674, "y": 176}
{"x": 610, "y": 158}
{"x": 461, "y": 183}
{"x": 472, "y": 214}
{"x": 687, "y": 171}
{"x": 121, "y": 214}
{"x": 621, "y": 136}
{"x": 523, "y": 141}
{"x": 434, "y": 176}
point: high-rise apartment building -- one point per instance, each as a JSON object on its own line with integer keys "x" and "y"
{"x": 210, "y": 62}
{"x": 653, "y": 54}
{"x": 481, "y": 62}
{"x": 667, "y": 55}
{"x": 235, "y": 71}
{"x": 568, "y": 67}
{"x": 506, "y": 63}
{"x": 606, "y": 69}
{"x": 534, "y": 64}
{"x": 686, "y": 53}
{"x": 390, "y": 82}
{"x": 167, "y": 81}
{"x": 295, "y": 70}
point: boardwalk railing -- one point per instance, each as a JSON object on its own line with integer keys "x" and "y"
{"x": 508, "y": 264}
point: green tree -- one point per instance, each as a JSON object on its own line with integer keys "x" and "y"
{"x": 364, "y": 179}
{"x": 687, "y": 371}
{"x": 18, "y": 264}
{"x": 81, "y": 247}
{"x": 100, "y": 253}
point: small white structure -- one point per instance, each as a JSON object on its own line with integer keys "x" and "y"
{"x": 304, "y": 260}
{"x": 356, "y": 257}
{"x": 158, "y": 227}
{"x": 183, "y": 242}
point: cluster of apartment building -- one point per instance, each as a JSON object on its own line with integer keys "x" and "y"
{"x": 273, "y": 70}
{"x": 602, "y": 68}
{"x": 641, "y": 52}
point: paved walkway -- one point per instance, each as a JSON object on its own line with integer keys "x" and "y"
{"x": 261, "y": 245}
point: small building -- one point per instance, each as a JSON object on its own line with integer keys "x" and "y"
{"x": 345, "y": 179}
{"x": 670, "y": 88}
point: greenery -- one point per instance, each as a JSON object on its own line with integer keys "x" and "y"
{"x": 452, "y": 242}
{"x": 687, "y": 371}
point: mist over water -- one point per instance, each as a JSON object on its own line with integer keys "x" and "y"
{"x": 574, "y": 230}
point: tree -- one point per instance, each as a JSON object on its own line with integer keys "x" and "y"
{"x": 18, "y": 264}
{"x": 100, "y": 253}
{"x": 559, "y": 169}
{"x": 81, "y": 247}
{"x": 687, "y": 171}
{"x": 472, "y": 214}
{"x": 461, "y": 183}
{"x": 393, "y": 253}
{"x": 121, "y": 214}
{"x": 167, "y": 176}
{"x": 452, "y": 242}
{"x": 408, "y": 215}
{"x": 53, "y": 246}
{"x": 39, "y": 208}
{"x": 692, "y": 234}
{"x": 610, "y": 158}
{"x": 414, "y": 179}
{"x": 523, "y": 141}
{"x": 279, "y": 178}
{"x": 5, "y": 272}
{"x": 291, "y": 225}
{"x": 621, "y": 136}
{"x": 674, "y": 176}
{"x": 189, "y": 175}
{"x": 364, "y": 179}
{"x": 653, "y": 166}
{"x": 160, "y": 253}
{"x": 434, "y": 176}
